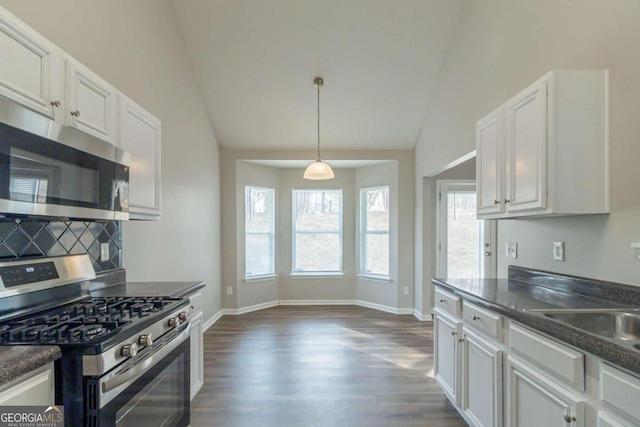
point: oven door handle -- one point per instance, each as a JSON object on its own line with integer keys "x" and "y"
{"x": 133, "y": 373}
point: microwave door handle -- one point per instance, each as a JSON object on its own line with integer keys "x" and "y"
{"x": 132, "y": 374}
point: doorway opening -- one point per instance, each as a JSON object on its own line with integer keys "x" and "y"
{"x": 465, "y": 244}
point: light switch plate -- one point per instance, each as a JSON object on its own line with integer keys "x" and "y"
{"x": 558, "y": 251}
{"x": 511, "y": 249}
{"x": 104, "y": 252}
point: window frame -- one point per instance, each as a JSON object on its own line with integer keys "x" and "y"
{"x": 271, "y": 234}
{"x": 294, "y": 233}
{"x": 364, "y": 232}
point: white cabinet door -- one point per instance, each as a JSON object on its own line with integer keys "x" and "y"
{"x": 26, "y": 66}
{"x": 91, "y": 102}
{"x": 481, "y": 382}
{"x": 446, "y": 365}
{"x": 34, "y": 388}
{"x": 197, "y": 354}
{"x": 533, "y": 401}
{"x": 527, "y": 149}
{"x": 140, "y": 136}
{"x": 489, "y": 163}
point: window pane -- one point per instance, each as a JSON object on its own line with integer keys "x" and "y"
{"x": 377, "y": 254}
{"x": 317, "y": 210}
{"x": 259, "y": 231}
{"x": 463, "y": 235}
{"x": 377, "y": 205}
{"x": 259, "y": 202}
{"x": 258, "y": 254}
{"x": 317, "y": 252}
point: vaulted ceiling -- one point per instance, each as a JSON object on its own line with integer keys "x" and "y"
{"x": 255, "y": 61}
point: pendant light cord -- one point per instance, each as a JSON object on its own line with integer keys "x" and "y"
{"x": 318, "y": 86}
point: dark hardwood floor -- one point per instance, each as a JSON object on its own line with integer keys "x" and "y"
{"x": 320, "y": 366}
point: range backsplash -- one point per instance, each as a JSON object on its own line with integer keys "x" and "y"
{"x": 26, "y": 238}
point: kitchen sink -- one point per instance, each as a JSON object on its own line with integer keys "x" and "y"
{"x": 622, "y": 325}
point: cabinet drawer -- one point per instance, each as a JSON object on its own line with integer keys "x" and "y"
{"x": 448, "y": 302}
{"x": 196, "y": 302}
{"x": 561, "y": 361}
{"x": 620, "y": 390}
{"x": 482, "y": 319}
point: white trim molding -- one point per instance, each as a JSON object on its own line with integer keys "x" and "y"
{"x": 422, "y": 317}
{"x": 317, "y": 302}
{"x": 319, "y": 275}
{"x": 374, "y": 278}
{"x": 290, "y": 302}
{"x": 263, "y": 278}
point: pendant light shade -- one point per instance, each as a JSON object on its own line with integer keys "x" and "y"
{"x": 318, "y": 170}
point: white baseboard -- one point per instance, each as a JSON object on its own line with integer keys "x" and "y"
{"x": 256, "y": 307}
{"x": 422, "y": 317}
{"x": 361, "y": 303}
{"x": 385, "y": 308}
{"x": 213, "y": 320}
{"x": 317, "y": 302}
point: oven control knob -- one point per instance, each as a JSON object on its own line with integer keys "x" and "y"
{"x": 174, "y": 322}
{"x": 183, "y": 316}
{"x": 129, "y": 350}
{"x": 145, "y": 339}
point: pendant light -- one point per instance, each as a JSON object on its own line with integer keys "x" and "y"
{"x": 318, "y": 170}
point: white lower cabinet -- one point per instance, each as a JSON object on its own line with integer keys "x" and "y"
{"x": 34, "y": 388}
{"x": 197, "y": 362}
{"x": 481, "y": 381}
{"x": 534, "y": 401}
{"x": 197, "y": 343}
{"x": 447, "y": 361}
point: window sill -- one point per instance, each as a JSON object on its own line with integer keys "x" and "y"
{"x": 264, "y": 278}
{"x": 374, "y": 278}
{"x": 316, "y": 275}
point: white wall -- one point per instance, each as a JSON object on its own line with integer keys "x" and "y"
{"x": 137, "y": 46}
{"x": 499, "y": 48}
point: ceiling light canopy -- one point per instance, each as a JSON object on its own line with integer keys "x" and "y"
{"x": 318, "y": 170}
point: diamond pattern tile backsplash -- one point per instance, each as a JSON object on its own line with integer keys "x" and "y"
{"x": 24, "y": 238}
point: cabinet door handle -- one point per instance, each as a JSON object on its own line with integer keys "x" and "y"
{"x": 569, "y": 418}
{"x": 454, "y": 333}
{"x": 507, "y": 201}
{"x": 496, "y": 202}
{"x": 460, "y": 339}
{"x": 56, "y": 104}
{"x": 75, "y": 113}
{"x": 476, "y": 317}
{"x": 442, "y": 300}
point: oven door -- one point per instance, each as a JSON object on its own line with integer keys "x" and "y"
{"x": 152, "y": 391}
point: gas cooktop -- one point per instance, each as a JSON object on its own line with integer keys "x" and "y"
{"x": 84, "y": 322}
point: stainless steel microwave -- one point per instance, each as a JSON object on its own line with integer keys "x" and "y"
{"x": 49, "y": 170}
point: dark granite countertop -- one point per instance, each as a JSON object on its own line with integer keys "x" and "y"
{"x": 16, "y": 361}
{"x": 516, "y": 300}
{"x": 149, "y": 289}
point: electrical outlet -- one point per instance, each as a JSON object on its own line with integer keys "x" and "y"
{"x": 229, "y": 290}
{"x": 558, "y": 251}
{"x": 405, "y": 290}
{"x": 104, "y": 252}
{"x": 511, "y": 249}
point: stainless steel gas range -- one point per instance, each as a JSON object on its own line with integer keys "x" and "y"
{"x": 125, "y": 360}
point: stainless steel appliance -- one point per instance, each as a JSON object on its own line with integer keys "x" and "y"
{"x": 125, "y": 360}
{"x": 57, "y": 171}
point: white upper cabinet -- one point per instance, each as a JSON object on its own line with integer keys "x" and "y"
{"x": 546, "y": 151}
{"x": 489, "y": 169}
{"x": 27, "y": 66}
{"x": 140, "y": 136}
{"x": 90, "y": 102}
